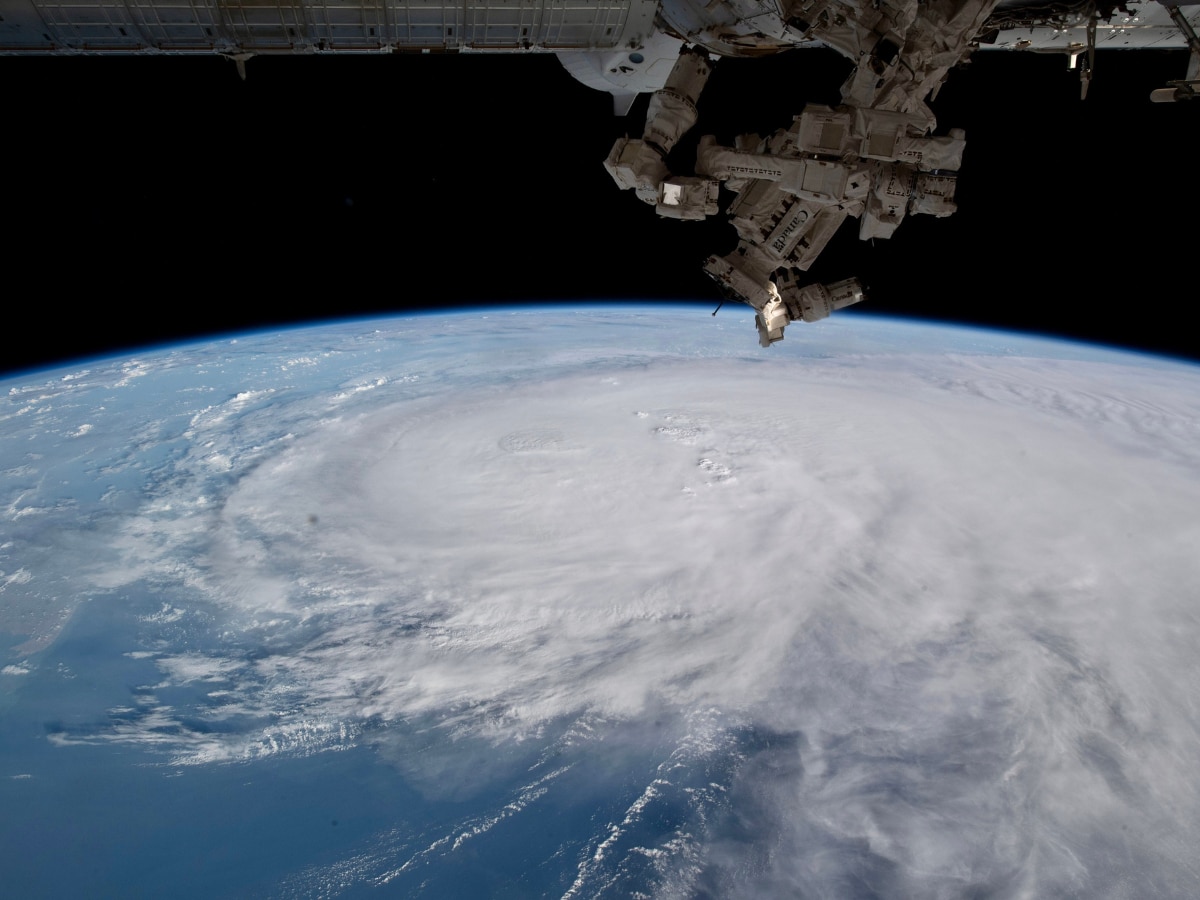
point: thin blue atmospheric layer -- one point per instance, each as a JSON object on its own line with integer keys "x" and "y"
{"x": 684, "y": 317}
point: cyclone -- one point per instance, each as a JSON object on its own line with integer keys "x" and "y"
{"x": 900, "y": 611}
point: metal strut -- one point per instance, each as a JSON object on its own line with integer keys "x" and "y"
{"x": 1187, "y": 88}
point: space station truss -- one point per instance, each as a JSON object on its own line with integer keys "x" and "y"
{"x": 315, "y": 26}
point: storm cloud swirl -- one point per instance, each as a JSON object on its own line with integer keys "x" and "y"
{"x": 897, "y": 624}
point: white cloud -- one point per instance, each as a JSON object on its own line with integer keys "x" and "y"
{"x": 960, "y": 588}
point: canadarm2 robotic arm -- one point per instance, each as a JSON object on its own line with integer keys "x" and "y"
{"x": 872, "y": 158}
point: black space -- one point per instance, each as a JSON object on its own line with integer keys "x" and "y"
{"x": 158, "y": 198}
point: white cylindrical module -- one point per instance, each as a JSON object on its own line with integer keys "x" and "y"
{"x": 672, "y": 110}
{"x": 816, "y": 301}
{"x": 846, "y": 292}
{"x": 724, "y": 163}
{"x": 1171, "y": 95}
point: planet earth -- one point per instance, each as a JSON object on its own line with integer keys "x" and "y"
{"x": 602, "y": 602}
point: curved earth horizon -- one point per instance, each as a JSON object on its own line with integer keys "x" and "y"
{"x": 602, "y": 603}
